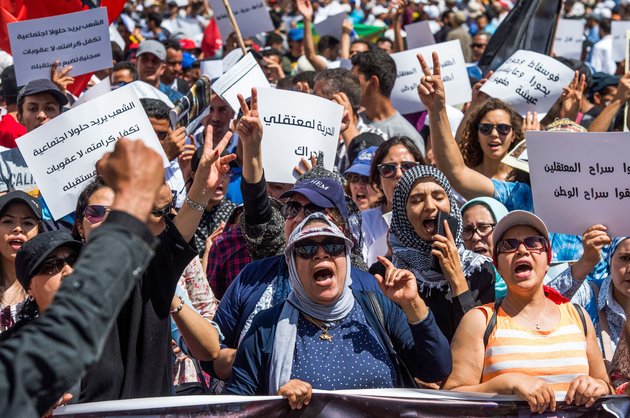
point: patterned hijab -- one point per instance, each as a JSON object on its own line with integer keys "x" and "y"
{"x": 412, "y": 252}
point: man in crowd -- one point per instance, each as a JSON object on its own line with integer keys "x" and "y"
{"x": 173, "y": 67}
{"x": 151, "y": 56}
{"x": 124, "y": 72}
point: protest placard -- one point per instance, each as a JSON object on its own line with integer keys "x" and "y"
{"x": 231, "y": 58}
{"x": 569, "y": 38}
{"x": 99, "y": 89}
{"x": 212, "y": 68}
{"x": 251, "y": 17}
{"x": 618, "y": 30}
{"x": 405, "y": 95}
{"x": 147, "y": 91}
{"x": 529, "y": 82}
{"x": 419, "y": 34}
{"x": 78, "y": 39}
{"x": 295, "y": 126}
{"x": 517, "y": 158}
{"x": 192, "y": 104}
{"x": 14, "y": 173}
{"x": 62, "y": 153}
{"x": 240, "y": 79}
{"x": 585, "y": 175}
{"x": 331, "y": 26}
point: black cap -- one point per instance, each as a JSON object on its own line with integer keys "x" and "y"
{"x": 603, "y": 80}
{"x": 43, "y": 86}
{"x": 9, "y": 89}
{"x": 361, "y": 142}
{"x": 20, "y": 196}
{"x": 34, "y": 251}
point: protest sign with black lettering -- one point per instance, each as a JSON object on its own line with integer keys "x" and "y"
{"x": 419, "y": 34}
{"x": 78, "y": 39}
{"x": 618, "y": 30}
{"x": 296, "y": 125}
{"x": 240, "y": 79}
{"x": 569, "y": 38}
{"x": 580, "y": 179}
{"x": 14, "y": 173}
{"x": 62, "y": 153}
{"x": 405, "y": 95}
{"x": 212, "y": 68}
{"x": 251, "y": 16}
{"x": 331, "y": 26}
{"x": 102, "y": 87}
{"x": 529, "y": 82}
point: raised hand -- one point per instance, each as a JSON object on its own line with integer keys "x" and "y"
{"x": 431, "y": 87}
{"x": 530, "y": 122}
{"x": 445, "y": 250}
{"x": 249, "y": 127}
{"x": 398, "y": 285}
{"x": 61, "y": 78}
{"x": 305, "y": 8}
{"x": 212, "y": 165}
{"x": 572, "y": 96}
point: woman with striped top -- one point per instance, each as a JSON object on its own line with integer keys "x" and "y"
{"x": 531, "y": 347}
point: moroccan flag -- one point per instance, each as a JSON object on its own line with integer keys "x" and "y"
{"x": 19, "y": 10}
{"x": 530, "y": 25}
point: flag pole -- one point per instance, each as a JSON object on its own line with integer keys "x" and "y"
{"x": 237, "y": 31}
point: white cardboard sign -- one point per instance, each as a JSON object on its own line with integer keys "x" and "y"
{"x": 583, "y": 175}
{"x": 62, "y": 154}
{"x": 14, "y": 173}
{"x": 419, "y": 34}
{"x": 529, "y": 81}
{"x": 331, "y": 26}
{"x": 251, "y": 16}
{"x": 405, "y": 95}
{"x": 243, "y": 75}
{"x": 212, "y": 68}
{"x": 78, "y": 39}
{"x": 569, "y": 38}
{"x": 295, "y": 126}
{"x": 618, "y": 30}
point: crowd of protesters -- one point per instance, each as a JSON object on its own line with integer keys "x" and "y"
{"x": 416, "y": 262}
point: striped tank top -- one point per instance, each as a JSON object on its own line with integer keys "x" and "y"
{"x": 557, "y": 356}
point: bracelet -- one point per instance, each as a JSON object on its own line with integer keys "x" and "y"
{"x": 195, "y": 206}
{"x": 421, "y": 320}
{"x": 179, "y": 308}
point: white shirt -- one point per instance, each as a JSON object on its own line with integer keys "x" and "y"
{"x": 601, "y": 58}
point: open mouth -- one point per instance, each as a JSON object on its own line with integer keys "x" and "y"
{"x": 495, "y": 145}
{"x": 523, "y": 269}
{"x": 323, "y": 276}
{"x": 360, "y": 196}
{"x": 481, "y": 250}
{"x": 430, "y": 225}
{"x": 16, "y": 243}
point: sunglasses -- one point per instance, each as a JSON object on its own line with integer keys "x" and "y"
{"x": 55, "y": 265}
{"x": 291, "y": 209}
{"x": 308, "y": 248}
{"x": 510, "y": 245}
{"x": 478, "y": 45}
{"x": 487, "y": 128}
{"x": 388, "y": 170}
{"x": 358, "y": 178}
{"x": 160, "y": 213}
{"x": 95, "y": 213}
{"x": 483, "y": 230}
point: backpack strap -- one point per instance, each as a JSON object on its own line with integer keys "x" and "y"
{"x": 580, "y": 313}
{"x": 492, "y": 323}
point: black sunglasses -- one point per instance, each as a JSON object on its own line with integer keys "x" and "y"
{"x": 487, "y": 128}
{"x": 308, "y": 248}
{"x": 510, "y": 245}
{"x": 388, "y": 170}
{"x": 55, "y": 265}
{"x": 160, "y": 213}
{"x": 95, "y": 213}
{"x": 291, "y": 209}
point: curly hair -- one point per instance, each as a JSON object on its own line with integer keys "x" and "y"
{"x": 470, "y": 147}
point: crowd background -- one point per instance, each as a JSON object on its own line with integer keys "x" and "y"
{"x": 418, "y": 225}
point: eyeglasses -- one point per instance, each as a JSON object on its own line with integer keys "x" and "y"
{"x": 291, "y": 209}
{"x": 358, "y": 178}
{"x": 308, "y": 248}
{"x": 483, "y": 230}
{"x": 510, "y": 245}
{"x": 160, "y": 213}
{"x": 388, "y": 170}
{"x": 95, "y": 213}
{"x": 487, "y": 128}
{"x": 478, "y": 45}
{"x": 55, "y": 265}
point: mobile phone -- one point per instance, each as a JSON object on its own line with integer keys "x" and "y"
{"x": 452, "y": 224}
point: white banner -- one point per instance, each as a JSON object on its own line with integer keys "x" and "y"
{"x": 295, "y": 126}
{"x": 405, "y": 95}
{"x": 618, "y": 30}
{"x": 419, "y": 34}
{"x": 212, "y": 68}
{"x": 331, "y": 26}
{"x": 529, "y": 81}
{"x": 62, "y": 153}
{"x": 251, "y": 17}
{"x": 580, "y": 179}
{"x": 240, "y": 78}
{"x": 78, "y": 39}
{"x": 569, "y": 38}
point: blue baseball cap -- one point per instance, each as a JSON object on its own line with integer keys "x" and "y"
{"x": 361, "y": 164}
{"x": 296, "y": 35}
{"x": 324, "y": 192}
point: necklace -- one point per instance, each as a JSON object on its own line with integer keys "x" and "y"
{"x": 325, "y": 336}
{"x": 535, "y": 323}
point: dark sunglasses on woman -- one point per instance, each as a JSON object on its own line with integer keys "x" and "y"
{"x": 487, "y": 128}
{"x": 308, "y": 248}
{"x": 510, "y": 245}
{"x": 162, "y": 212}
{"x": 291, "y": 209}
{"x": 95, "y": 213}
{"x": 388, "y": 170}
{"x": 55, "y": 265}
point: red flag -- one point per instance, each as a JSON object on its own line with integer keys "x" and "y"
{"x": 20, "y": 10}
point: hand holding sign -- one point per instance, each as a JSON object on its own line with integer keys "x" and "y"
{"x": 61, "y": 78}
{"x": 431, "y": 87}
